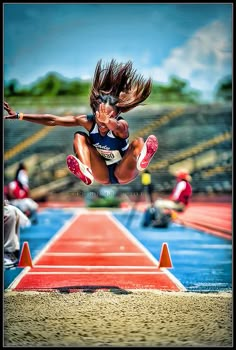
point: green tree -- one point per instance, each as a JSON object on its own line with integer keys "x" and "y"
{"x": 47, "y": 86}
{"x": 176, "y": 90}
{"x": 11, "y": 88}
{"x": 223, "y": 90}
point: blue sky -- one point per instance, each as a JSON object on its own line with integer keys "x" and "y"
{"x": 192, "y": 41}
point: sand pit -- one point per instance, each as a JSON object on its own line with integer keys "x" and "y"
{"x": 107, "y": 318}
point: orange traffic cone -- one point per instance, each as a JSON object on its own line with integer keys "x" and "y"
{"x": 25, "y": 257}
{"x": 165, "y": 259}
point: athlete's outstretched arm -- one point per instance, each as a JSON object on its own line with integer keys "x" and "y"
{"x": 47, "y": 119}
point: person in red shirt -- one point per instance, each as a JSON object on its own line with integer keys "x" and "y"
{"x": 181, "y": 194}
{"x": 162, "y": 211}
{"x": 19, "y": 187}
{"x": 17, "y": 192}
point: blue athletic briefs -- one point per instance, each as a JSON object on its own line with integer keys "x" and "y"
{"x": 111, "y": 147}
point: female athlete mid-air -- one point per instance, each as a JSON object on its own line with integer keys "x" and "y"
{"x": 103, "y": 153}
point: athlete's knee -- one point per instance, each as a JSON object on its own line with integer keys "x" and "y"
{"x": 137, "y": 142}
{"x": 136, "y": 146}
{"x": 81, "y": 137}
{"x": 80, "y": 134}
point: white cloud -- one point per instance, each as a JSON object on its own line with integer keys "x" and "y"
{"x": 204, "y": 59}
{"x": 145, "y": 58}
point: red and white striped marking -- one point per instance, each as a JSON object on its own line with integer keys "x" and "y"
{"x": 95, "y": 250}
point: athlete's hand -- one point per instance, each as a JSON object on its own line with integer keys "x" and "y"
{"x": 11, "y": 113}
{"x": 102, "y": 115}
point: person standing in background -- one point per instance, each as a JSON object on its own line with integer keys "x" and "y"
{"x": 146, "y": 181}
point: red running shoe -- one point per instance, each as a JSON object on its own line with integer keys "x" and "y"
{"x": 149, "y": 149}
{"x": 79, "y": 169}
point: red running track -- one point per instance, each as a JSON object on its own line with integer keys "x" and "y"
{"x": 215, "y": 218}
{"x": 95, "y": 250}
{"x": 210, "y": 217}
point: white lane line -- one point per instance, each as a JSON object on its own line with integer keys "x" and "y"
{"x": 92, "y": 267}
{"x": 100, "y": 273}
{"x": 94, "y": 254}
{"x": 55, "y": 237}
{"x": 139, "y": 244}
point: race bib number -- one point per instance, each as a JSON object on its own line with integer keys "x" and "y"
{"x": 110, "y": 156}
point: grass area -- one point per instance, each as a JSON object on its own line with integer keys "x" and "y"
{"x": 49, "y": 104}
{"x": 73, "y": 101}
{"x": 77, "y": 104}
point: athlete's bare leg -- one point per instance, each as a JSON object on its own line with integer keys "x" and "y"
{"x": 89, "y": 156}
{"x": 126, "y": 171}
{"x": 137, "y": 158}
{"x": 92, "y": 162}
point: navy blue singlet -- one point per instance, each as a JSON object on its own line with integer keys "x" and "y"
{"x": 110, "y": 147}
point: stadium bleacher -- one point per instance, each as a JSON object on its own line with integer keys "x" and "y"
{"x": 186, "y": 136}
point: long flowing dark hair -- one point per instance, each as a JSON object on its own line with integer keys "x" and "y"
{"x": 119, "y": 85}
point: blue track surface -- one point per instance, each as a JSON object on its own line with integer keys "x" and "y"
{"x": 50, "y": 222}
{"x": 202, "y": 262}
